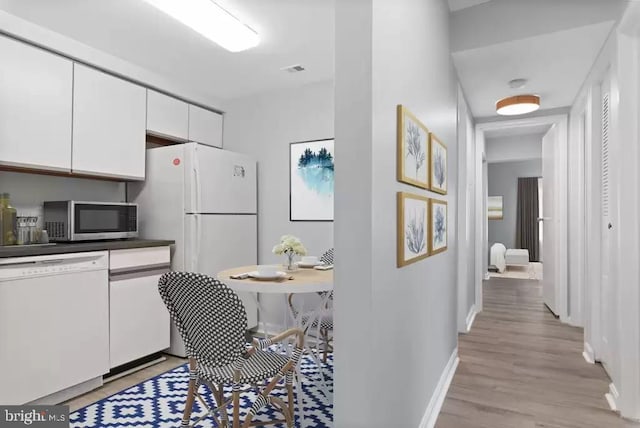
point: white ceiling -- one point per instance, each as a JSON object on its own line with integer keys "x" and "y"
{"x": 519, "y": 131}
{"x": 552, "y": 43}
{"x": 463, "y": 4}
{"x": 291, "y": 31}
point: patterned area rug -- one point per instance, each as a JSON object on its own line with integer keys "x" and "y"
{"x": 159, "y": 402}
{"x": 533, "y": 271}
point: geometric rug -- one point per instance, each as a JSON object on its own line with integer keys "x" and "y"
{"x": 159, "y": 402}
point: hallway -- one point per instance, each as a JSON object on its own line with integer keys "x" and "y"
{"x": 520, "y": 368}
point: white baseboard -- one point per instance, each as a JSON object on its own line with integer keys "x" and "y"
{"x": 612, "y": 397}
{"x": 471, "y": 316}
{"x": 588, "y": 354}
{"x": 437, "y": 399}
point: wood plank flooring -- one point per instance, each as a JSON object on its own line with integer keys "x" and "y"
{"x": 521, "y": 368}
{"x": 124, "y": 382}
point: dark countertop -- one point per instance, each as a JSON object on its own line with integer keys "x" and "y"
{"x": 79, "y": 247}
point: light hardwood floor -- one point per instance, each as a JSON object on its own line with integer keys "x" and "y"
{"x": 522, "y": 368}
{"x": 124, "y": 382}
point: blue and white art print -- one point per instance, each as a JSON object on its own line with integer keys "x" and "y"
{"x": 413, "y": 149}
{"x": 413, "y": 231}
{"x": 438, "y": 162}
{"x": 438, "y": 229}
{"x": 312, "y": 180}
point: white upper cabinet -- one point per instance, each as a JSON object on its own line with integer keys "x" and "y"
{"x": 205, "y": 126}
{"x": 109, "y": 125}
{"x": 35, "y": 107}
{"x": 167, "y": 116}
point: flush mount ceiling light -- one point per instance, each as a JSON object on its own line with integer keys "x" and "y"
{"x": 210, "y": 20}
{"x": 519, "y": 104}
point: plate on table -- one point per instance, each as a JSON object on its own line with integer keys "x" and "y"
{"x": 270, "y": 277}
{"x": 309, "y": 265}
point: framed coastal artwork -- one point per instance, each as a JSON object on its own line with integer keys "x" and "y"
{"x": 412, "y": 231}
{"x": 438, "y": 229}
{"x": 412, "y": 149}
{"x": 494, "y": 208}
{"x": 438, "y": 164}
{"x": 311, "y": 182}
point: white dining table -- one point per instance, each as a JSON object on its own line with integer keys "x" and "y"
{"x": 298, "y": 281}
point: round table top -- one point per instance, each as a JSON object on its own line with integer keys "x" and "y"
{"x": 299, "y": 281}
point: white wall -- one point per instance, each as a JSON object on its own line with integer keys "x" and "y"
{"x": 502, "y": 180}
{"x": 396, "y": 328}
{"x": 263, "y": 126}
{"x": 517, "y": 148}
{"x": 29, "y": 191}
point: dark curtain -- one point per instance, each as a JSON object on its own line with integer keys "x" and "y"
{"x": 527, "y": 219}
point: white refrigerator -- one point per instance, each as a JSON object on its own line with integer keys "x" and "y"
{"x": 205, "y": 199}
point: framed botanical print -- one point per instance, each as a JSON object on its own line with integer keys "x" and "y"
{"x": 311, "y": 168}
{"x": 438, "y": 229}
{"x": 412, "y": 149}
{"x": 438, "y": 163}
{"x": 412, "y": 232}
{"x": 494, "y": 208}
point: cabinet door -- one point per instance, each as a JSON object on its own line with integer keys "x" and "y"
{"x": 35, "y": 107}
{"x": 109, "y": 125}
{"x": 139, "y": 322}
{"x": 167, "y": 116}
{"x": 205, "y": 126}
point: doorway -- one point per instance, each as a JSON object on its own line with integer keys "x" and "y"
{"x": 550, "y": 197}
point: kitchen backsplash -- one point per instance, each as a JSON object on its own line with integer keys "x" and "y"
{"x": 29, "y": 191}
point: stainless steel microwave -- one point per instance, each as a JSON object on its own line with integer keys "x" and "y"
{"x": 85, "y": 221}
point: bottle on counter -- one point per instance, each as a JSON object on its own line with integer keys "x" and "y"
{"x": 8, "y": 221}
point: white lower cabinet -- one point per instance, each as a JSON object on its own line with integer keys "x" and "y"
{"x": 139, "y": 322}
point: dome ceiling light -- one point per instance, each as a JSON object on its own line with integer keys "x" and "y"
{"x": 519, "y": 104}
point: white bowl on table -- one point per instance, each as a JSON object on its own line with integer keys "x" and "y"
{"x": 267, "y": 272}
{"x": 309, "y": 262}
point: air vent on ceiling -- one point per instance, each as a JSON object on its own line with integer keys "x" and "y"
{"x": 293, "y": 68}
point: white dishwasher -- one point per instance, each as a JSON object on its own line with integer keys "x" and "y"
{"x": 54, "y": 323}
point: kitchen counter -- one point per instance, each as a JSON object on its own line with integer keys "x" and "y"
{"x": 78, "y": 247}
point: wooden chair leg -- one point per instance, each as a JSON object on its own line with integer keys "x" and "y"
{"x": 191, "y": 394}
{"x": 325, "y": 344}
{"x": 236, "y": 405}
{"x": 223, "y": 408}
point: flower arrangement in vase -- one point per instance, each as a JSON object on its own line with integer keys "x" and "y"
{"x": 290, "y": 246}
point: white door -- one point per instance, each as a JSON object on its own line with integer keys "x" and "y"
{"x": 109, "y": 125}
{"x": 607, "y": 292}
{"x": 219, "y": 242}
{"x": 138, "y": 319}
{"x": 549, "y": 290}
{"x": 35, "y": 107}
{"x": 222, "y": 182}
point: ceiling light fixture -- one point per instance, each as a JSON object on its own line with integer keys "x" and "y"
{"x": 212, "y": 21}
{"x": 519, "y": 104}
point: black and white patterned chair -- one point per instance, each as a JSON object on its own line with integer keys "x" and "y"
{"x": 325, "y": 317}
{"x": 212, "y": 323}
